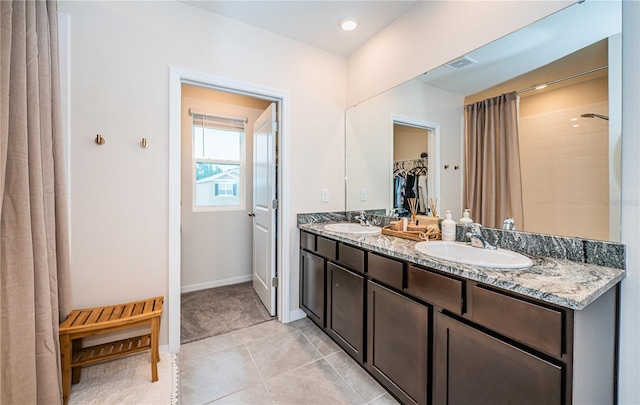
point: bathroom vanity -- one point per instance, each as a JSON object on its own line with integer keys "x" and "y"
{"x": 437, "y": 332}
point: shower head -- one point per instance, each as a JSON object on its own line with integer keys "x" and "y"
{"x": 592, "y": 115}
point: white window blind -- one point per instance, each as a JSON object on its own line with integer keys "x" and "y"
{"x": 217, "y": 121}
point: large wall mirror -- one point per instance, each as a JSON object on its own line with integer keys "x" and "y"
{"x": 569, "y": 131}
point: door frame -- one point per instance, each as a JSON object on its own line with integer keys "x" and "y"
{"x": 433, "y": 139}
{"x": 177, "y": 77}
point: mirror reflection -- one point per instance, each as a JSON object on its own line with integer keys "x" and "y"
{"x": 559, "y": 172}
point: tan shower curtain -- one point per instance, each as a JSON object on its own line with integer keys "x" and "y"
{"x": 34, "y": 258}
{"x": 493, "y": 181}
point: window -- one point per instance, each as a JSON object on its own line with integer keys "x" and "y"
{"x": 219, "y": 163}
{"x": 226, "y": 189}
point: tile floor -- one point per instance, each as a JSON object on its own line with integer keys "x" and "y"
{"x": 274, "y": 363}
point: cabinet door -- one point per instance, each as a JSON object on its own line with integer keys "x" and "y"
{"x": 398, "y": 343}
{"x": 345, "y": 309}
{"x": 472, "y": 367}
{"x": 312, "y": 286}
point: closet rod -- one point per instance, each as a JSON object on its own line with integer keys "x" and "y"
{"x": 538, "y": 86}
{"x": 410, "y": 160}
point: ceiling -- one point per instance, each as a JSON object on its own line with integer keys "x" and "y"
{"x": 533, "y": 47}
{"x": 313, "y": 22}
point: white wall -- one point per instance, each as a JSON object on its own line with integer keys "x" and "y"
{"x": 216, "y": 245}
{"x": 120, "y": 58}
{"x": 369, "y": 161}
{"x": 629, "y": 372}
{"x": 432, "y": 33}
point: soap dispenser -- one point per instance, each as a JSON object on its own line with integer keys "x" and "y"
{"x": 465, "y": 218}
{"x": 448, "y": 228}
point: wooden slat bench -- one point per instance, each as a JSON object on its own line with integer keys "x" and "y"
{"x": 94, "y": 321}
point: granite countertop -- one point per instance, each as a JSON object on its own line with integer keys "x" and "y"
{"x": 561, "y": 282}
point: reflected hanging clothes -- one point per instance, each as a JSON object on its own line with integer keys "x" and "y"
{"x": 399, "y": 195}
{"x": 408, "y": 190}
{"x": 423, "y": 195}
{"x": 410, "y": 181}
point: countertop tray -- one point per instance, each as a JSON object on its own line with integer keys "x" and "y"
{"x": 413, "y": 235}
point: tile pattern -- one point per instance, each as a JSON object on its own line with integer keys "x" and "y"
{"x": 274, "y": 363}
{"x": 564, "y": 160}
{"x": 570, "y": 284}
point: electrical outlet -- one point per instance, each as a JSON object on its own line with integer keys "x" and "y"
{"x": 325, "y": 195}
{"x": 363, "y": 194}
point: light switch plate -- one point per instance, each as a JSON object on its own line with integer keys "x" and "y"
{"x": 363, "y": 194}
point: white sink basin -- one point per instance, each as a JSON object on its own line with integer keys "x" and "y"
{"x": 353, "y": 228}
{"x": 462, "y": 253}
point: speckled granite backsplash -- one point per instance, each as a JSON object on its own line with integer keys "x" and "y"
{"x": 608, "y": 254}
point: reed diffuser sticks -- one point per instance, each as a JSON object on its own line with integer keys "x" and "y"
{"x": 413, "y": 209}
{"x": 433, "y": 206}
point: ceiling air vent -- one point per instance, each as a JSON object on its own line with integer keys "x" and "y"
{"x": 460, "y": 63}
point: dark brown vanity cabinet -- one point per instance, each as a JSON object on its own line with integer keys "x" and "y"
{"x": 345, "y": 309}
{"x": 398, "y": 330}
{"x": 434, "y": 338}
{"x": 473, "y": 367}
{"x": 314, "y": 253}
{"x": 312, "y": 286}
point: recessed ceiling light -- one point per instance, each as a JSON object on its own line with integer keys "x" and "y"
{"x": 348, "y": 24}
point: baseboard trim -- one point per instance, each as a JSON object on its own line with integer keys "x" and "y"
{"x": 296, "y": 314}
{"x": 217, "y": 283}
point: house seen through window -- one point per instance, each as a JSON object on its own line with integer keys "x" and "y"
{"x": 219, "y": 163}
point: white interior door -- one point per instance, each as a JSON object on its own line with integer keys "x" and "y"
{"x": 264, "y": 192}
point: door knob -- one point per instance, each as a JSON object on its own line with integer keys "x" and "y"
{"x": 252, "y": 214}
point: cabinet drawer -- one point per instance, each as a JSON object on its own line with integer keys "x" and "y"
{"x": 387, "y": 271}
{"x": 435, "y": 289}
{"x": 308, "y": 241}
{"x": 351, "y": 258}
{"x": 326, "y": 248}
{"x": 528, "y": 323}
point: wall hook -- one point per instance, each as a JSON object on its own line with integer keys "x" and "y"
{"x": 100, "y": 140}
{"x": 144, "y": 144}
{"x": 456, "y": 167}
{"x": 446, "y": 167}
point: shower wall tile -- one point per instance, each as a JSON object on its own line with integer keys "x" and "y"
{"x": 564, "y": 162}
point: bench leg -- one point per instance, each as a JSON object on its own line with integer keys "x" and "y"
{"x": 159, "y": 324}
{"x": 65, "y": 355}
{"x": 76, "y": 345}
{"x": 155, "y": 355}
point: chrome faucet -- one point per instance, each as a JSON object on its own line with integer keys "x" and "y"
{"x": 473, "y": 231}
{"x": 362, "y": 218}
{"x": 509, "y": 224}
